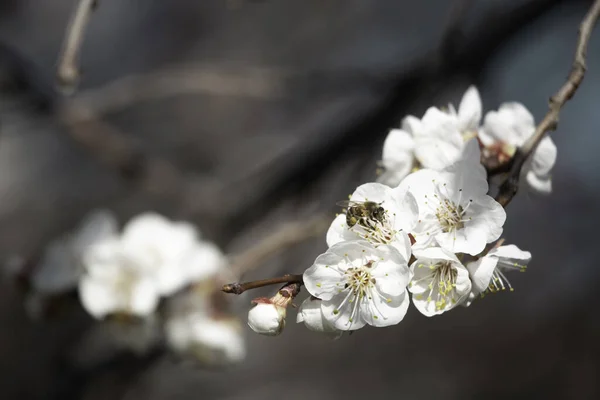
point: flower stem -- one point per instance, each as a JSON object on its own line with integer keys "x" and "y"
{"x": 239, "y": 288}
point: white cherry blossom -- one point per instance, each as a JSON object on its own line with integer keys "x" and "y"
{"x": 487, "y": 273}
{"x": 153, "y": 257}
{"x": 115, "y": 283}
{"x": 391, "y": 225}
{"x": 440, "y": 281}
{"x": 508, "y": 128}
{"x": 169, "y": 251}
{"x": 455, "y": 211}
{"x": 435, "y": 141}
{"x": 311, "y": 314}
{"x": 360, "y": 284}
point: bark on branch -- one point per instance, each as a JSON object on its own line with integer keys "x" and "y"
{"x": 239, "y": 288}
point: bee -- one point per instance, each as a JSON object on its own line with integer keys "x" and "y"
{"x": 362, "y": 211}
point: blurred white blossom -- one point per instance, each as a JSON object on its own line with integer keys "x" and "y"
{"x": 360, "y": 284}
{"x": 153, "y": 257}
{"x": 61, "y": 265}
{"x": 454, "y": 209}
{"x": 170, "y": 252}
{"x": 508, "y": 128}
{"x": 440, "y": 281}
{"x": 396, "y": 218}
{"x": 106, "y": 339}
{"x": 116, "y": 281}
{"x": 211, "y": 340}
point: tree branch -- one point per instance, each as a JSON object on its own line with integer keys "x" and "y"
{"x": 67, "y": 74}
{"x": 239, "y": 288}
{"x": 509, "y": 187}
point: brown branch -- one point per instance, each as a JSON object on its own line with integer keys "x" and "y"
{"x": 285, "y": 236}
{"x": 239, "y": 288}
{"x": 509, "y": 187}
{"x": 67, "y": 74}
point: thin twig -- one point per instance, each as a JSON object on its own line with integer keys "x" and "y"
{"x": 509, "y": 188}
{"x": 68, "y": 73}
{"x": 239, "y": 288}
{"x": 285, "y": 236}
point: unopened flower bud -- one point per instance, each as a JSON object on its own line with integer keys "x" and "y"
{"x": 267, "y": 317}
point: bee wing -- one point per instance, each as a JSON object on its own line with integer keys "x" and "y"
{"x": 349, "y": 203}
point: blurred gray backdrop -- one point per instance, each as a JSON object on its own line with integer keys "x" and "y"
{"x": 308, "y": 92}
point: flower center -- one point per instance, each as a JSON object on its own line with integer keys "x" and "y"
{"x": 468, "y": 135}
{"x": 376, "y": 231}
{"x": 445, "y": 278}
{"x": 450, "y": 215}
{"x": 359, "y": 279}
{"x": 499, "y": 151}
{"x": 442, "y": 284}
{"x": 499, "y": 281}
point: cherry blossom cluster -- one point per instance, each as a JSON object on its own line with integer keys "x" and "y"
{"x": 427, "y": 230}
{"x": 152, "y": 279}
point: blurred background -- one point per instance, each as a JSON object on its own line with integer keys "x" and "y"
{"x": 240, "y": 115}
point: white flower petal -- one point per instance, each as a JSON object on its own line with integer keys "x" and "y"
{"x": 97, "y": 298}
{"x": 144, "y": 298}
{"x": 398, "y": 157}
{"x": 391, "y": 272}
{"x": 382, "y": 312}
{"x": 541, "y": 185}
{"x": 339, "y": 232}
{"x": 544, "y": 157}
{"x": 469, "y": 110}
{"x": 512, "y": 124}
{"x": 490, "y": 216}
{"x": 440, "y": 142}
{"x": 203, "y": 262}
{"x": 411, "y": 124}
{"x": 511, "y": 253}
{"x": 407, "y": 213}
{"x": 311, "y": 315}
{"x": 343, "y": 314}
{"x": 323, "y": 276}
{"x": 481, "y": 272}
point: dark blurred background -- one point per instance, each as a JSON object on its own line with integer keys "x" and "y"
{"x": 282, "y": 111}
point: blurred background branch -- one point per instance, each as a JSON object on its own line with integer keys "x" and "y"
{"x": 68, "y": 72}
